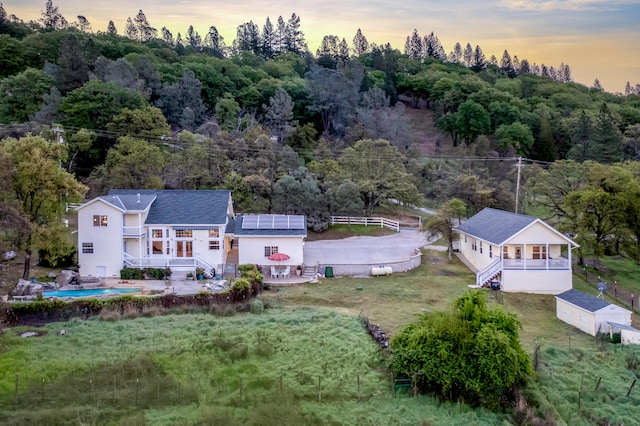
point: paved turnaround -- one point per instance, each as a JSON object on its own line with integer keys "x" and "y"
{"x": 366, "y": 250}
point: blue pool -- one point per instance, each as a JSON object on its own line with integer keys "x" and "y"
{"x": 90, "y": 292}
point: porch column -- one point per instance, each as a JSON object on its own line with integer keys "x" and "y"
{"x": 569, "y": 250}
{"x": 524, "y": 255}
{"x": 546, "y": 260}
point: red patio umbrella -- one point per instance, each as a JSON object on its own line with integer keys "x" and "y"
{"x": 279, "y": 257}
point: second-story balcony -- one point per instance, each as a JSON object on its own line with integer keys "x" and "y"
{"x": 133, "y": 231}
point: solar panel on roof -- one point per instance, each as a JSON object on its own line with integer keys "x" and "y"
{"x": 270, "y": 221}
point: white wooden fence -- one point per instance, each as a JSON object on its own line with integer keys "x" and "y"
{"x": 366, "y": 221}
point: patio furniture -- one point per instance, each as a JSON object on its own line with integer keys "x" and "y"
{"x": 274, "y": 273}
{"x": 286, "y": 272}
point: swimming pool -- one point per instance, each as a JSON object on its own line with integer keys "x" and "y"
{"x": 90, "y": 292}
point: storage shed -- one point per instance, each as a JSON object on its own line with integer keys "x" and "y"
{"x": 628, "y": 334}
{"x": 588, "y": 313}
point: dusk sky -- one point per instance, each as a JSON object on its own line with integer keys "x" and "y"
{"x": 597, "y": 39}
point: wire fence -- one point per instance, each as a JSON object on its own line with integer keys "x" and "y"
{"x": 616, "y": 290}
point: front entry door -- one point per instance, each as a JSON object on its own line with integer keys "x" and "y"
{"x": 518, "y": 253}
{"x": 184, "y": 248}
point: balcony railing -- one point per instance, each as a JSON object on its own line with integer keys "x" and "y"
{"x": 157, "y": 261}
{"x": 538, "y": 264}
{"x": 132, "y": 231}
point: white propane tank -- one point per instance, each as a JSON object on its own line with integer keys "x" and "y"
{"x": 381, "y": 270}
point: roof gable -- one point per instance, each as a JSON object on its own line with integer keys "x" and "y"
{"x": 181, "y": 207}
{"x": 582, "y": 300}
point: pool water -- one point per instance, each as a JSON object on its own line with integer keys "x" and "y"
{"x": 90, "y": 292}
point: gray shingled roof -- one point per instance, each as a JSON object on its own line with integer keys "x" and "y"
{"x": 495, "y": 226}
{"x": 267, "y": 232}
{"x": 175, "y": 207}
{"x": 585, "y": 301}
{"x": 129, "y": 201}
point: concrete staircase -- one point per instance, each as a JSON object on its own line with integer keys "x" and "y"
{"x": 309, "y": 272}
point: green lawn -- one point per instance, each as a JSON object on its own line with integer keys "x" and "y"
{"x": 306, "y": 360}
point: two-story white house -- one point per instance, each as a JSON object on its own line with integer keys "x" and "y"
{"x": 522, "y": 253}
{"x": 181, "y": 230}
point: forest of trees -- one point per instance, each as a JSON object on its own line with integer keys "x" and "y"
{"x": 288, "y": 131}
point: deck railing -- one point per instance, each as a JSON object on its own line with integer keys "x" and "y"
{"x": 522, "y": 264}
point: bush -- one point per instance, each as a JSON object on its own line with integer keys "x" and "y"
{"x": 131, "y": 274}
{"x": 257, "y": 307}
{"x": 154, "y": 273}
{"x": 471, "y": 352}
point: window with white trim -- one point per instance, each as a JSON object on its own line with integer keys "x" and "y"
{"x": 269, "y": 250}
{"x": 100, "y": 220}
{"x": 214, "y": 245}
{"x": 214, "y": 233}
{"x": 87, "y": 248}
{"x": 474, "y": 246}
{"x": 480, "y": 247}
{"x": 490, "y": 251}
{"x": 505, "y": 252}
{"x": 539, "y": 252}
{"x": 184, "y": 233}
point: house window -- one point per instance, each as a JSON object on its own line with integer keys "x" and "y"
{"x": 100, "y": 220}
{"x": 539, "y": 252}
{"x": 505, "y": 252}
{"x": 268, "y": 251}
{"x": 474, "y": 246}
{"x": 480, "y": 247}
{"x": 214, "y": 233}
{"x": 465, "y": 238}
{"x": 490, "y": 252}
{"x": 156, "y": 233}
{"x": 184, "y": 233}
{"x": 87, "y": 248}
{"x": 156, "y": 247}
{"x": 214, "y": 245}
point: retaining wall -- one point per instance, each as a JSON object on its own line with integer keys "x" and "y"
{"x": 365, "y": 269}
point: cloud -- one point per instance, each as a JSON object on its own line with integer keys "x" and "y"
{"x": 567, "y": 5}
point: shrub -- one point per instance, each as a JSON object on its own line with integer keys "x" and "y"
{"x": 264, "y": 349}
{"x": 246, "y": 267}
{"x": 131, "y": 274}
{"x": 257, "y": 307}
{"x": 111, "y": 315}
{"x": 471, "y": 352}
{"x": 154, "y": 273}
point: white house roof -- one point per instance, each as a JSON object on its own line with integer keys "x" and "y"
{"x": 498, "y": 226}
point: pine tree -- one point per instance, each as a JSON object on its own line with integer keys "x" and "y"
{"x": 581, "y": 138}
{"x": 597, "y": 85}
{"x": 281, "y": 37}
{"x": 73, "y": 71}
{"x": 607, "y": 141}
{"x": 193, "y": 38}
{"x": 343, "y": 50}
{"x": 456, "y": 54}
{"x": 130, "y": 30}
{"x": 524, "y": 67}
{"x": 268, "y": 40}
{"x": 360, "y": 43}
{"x": 467, "y": 55}
{"x": 3, "y": 14}
{"x": 506, "y": 65}
{"x": 295, "y": 41}
{"x": 82, "y": 24}
{"x": 493, "y": 60}
{"x": 167, "y": 37}
{"x": 145, "y": 31}
{"x": 214, "y": 41}
{"x": 478, "y": 60}
{"x": 247, "y": 38}
{"x": 111, "y": 28}
{"x": 627, "y": 89}
{"x": 52, "y": 18}
{"x": 413, "y": 47}
{"x": 564, "y": 73}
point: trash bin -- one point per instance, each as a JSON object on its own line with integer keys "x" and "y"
{"x": 495, "y": 285}
{"x": 328, "y": 272}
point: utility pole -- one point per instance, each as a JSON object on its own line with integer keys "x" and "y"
{"x": 519, "y": 166}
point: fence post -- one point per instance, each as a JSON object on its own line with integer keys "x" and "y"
{"x": 631, "y": 388}
{"x": 597, "y": 384}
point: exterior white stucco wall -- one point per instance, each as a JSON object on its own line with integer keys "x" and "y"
{"x": 537, "y": 233}
{"x": 107, "y": 241}
{"x": 536, "y": 281}
{"x": 251, "y": 249}
{"x": 484, "y": 254}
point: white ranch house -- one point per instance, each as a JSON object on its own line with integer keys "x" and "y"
{"x": 181, "y": 230}
{"x": 522, "y": 253}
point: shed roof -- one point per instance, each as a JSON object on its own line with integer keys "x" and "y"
{"x": 623, "y": 326}
{"x": 180, "y": 207}
{"x": 495, "y": 226}
{"x": 582, "y": 300}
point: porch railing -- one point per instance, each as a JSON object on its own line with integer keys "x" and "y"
{"x": 158, "y": 262}
{"x": 522, "y": 264}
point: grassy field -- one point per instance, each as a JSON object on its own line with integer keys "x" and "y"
{"x": 307, "y": 360}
